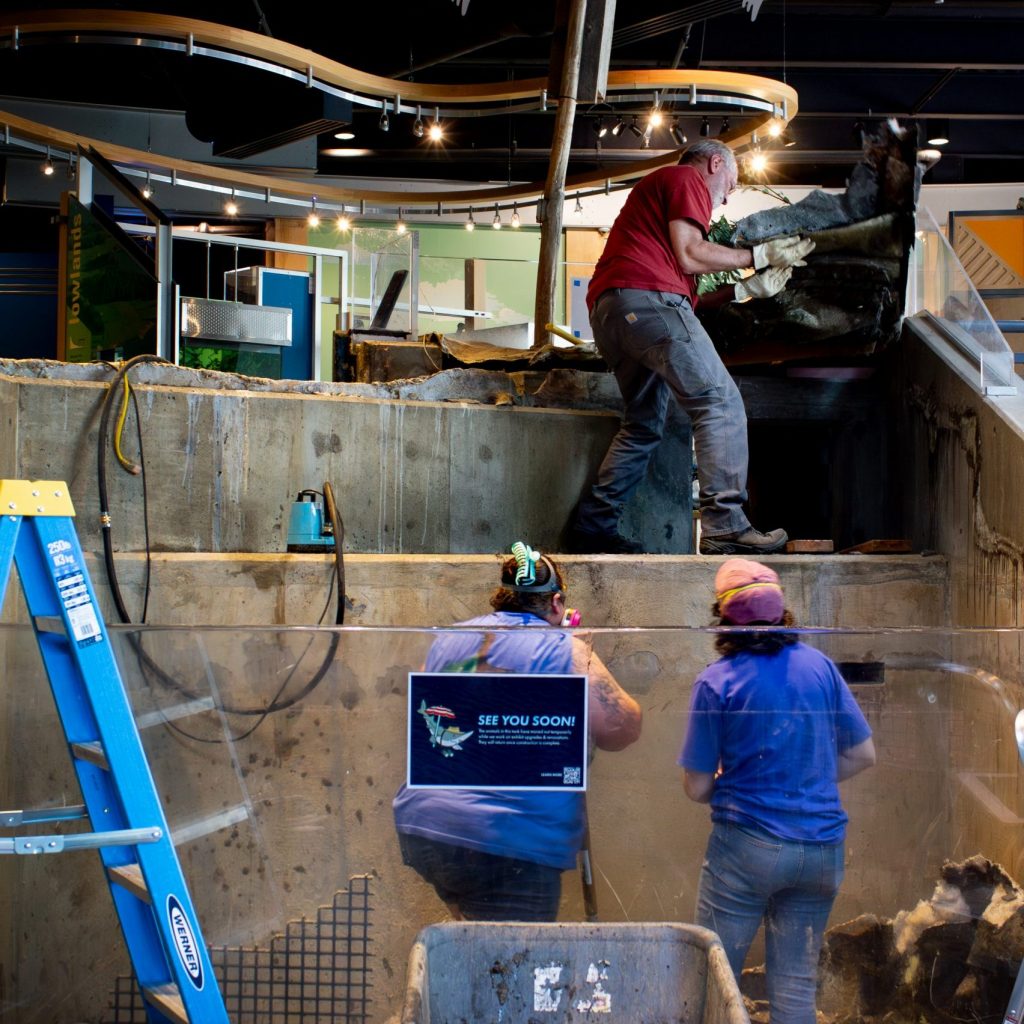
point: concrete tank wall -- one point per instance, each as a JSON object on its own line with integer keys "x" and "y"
{"x": 315, "y": 781}
{"x": 224, "y": 465}
{"x": 964, "y": 456}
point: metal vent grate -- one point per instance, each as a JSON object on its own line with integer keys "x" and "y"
{"x": 317, "y": 970}
{"x": 241, "y": 322}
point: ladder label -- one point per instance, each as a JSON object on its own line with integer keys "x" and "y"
{"x": 81, "y": 613}
{"x": 185, "y": 942}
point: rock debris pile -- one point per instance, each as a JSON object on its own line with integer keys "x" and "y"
{"x": 953, "y": 958}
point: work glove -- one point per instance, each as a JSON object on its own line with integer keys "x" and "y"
{"x": 782, "y": 252}
{"x": 764, "y": 285}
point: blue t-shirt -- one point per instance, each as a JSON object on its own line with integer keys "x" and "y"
{"x": 541, "y": 827}
{"x": 776, "y": 724}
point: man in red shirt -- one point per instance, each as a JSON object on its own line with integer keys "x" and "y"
{"x": 641, "y": 301}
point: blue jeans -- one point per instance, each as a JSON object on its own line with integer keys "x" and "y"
{"x": 482, "y": 886}
{"x": 749, "y": 875}
{"x": 657, "y": 349}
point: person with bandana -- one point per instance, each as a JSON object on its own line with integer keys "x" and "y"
{"x": 773, "y": 729}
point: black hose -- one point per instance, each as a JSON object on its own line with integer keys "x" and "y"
{"x": 146, "y": 663}
{"x": 101, "y": 476}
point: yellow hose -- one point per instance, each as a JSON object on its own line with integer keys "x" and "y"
{"x": 126, "y": 463}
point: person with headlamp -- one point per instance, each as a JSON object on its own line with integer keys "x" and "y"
{"x": 498, "y": 855}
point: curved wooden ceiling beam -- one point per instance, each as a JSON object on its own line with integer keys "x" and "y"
{"x": 781, "y": 97}
{"x": 296, "y": 58}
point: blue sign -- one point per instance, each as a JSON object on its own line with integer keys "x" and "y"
{"x": 502, "y": 730}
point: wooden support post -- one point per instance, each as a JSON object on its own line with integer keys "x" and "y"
{"x": 476, "y": 291}
{"x": 597, "y": 50}
{"x": 554, "y": 187}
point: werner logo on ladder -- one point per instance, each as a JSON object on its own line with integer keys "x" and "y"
{"x": 130, "y": 832}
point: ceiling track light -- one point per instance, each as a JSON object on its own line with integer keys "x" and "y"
{"x": 757, "y": 162}
{"x": 496, "y": 223}
{"x": 578, "y": 208}
{"x": 725, "y": 126}
{"x": 435, "y": 132}
{"x": 230, "y": 206}
{"x": 654, "y": 118}
{"x": 384, "y": 123}
{"x": 677, "y": 133}
{"x": 470, "y": 223}
{"x": 514, "y": 220}
{"x": 47, "y": 165}
{"x": 635, "y": 128}
{"x": 618, "y": 126}
{"x": 313, "y": 220}
{"x": 400, "y": 225}
{"x": 343, "y": 223}
{"x": 417, "y": 125}
{"x": 705, "y": 127}
{"x": 147, "y": 189}
{"x": 600, "y": 127}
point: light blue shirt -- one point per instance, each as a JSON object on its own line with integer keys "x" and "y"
{"x": 545, "y": 827}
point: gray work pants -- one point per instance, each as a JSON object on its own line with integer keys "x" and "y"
{"x": 656, "y": 347}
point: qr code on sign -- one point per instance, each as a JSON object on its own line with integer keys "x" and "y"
{"x": 570, "y": 776}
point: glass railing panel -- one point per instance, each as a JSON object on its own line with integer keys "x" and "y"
{"x": 383, "y": 278}
{"x": 941, "y": 292}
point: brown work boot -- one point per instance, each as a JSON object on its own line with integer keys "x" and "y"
{"x": 749, "y": 542}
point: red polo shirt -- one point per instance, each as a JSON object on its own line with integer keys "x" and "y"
{"x": 639, "y": 252}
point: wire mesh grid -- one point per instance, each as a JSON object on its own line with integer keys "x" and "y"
{"x": 317, "y": 970}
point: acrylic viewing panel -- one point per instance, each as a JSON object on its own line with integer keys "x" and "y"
{"x": 277, "y": 753}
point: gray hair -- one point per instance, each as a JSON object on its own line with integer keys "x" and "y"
{"x": 707, "y": 148}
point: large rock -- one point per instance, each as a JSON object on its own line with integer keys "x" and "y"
{"x": 952, "y": 958}
{"x": 848, "y": 300}
{"x": 858, "y": 968}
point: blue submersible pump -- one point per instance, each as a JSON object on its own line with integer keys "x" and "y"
{"x": 308, "y": 531}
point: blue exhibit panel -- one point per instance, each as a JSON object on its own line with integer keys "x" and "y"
{"x": 292, "y": 291}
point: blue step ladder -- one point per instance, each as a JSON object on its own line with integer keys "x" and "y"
{"x": 160, "y": 927}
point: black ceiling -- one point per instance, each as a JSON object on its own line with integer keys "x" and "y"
{"x": 849, "y": 62}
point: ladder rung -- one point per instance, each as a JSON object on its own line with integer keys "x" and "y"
{"x": 129, "y": 876}
{"x": 91, "y": 752}
{"x": 50, "y": 624}
{"x": 167, "y": 999}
